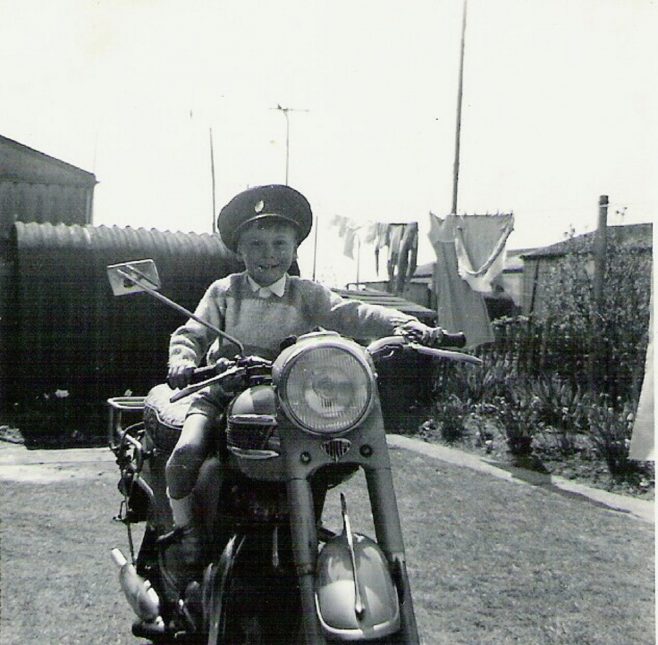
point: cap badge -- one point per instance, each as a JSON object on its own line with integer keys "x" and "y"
{"x": 260, "y": 205}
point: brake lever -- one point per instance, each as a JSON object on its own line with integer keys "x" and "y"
{"x": 195, "y": 387}
{"x": 445, "y": 353}
{"x": 390, "y": 344}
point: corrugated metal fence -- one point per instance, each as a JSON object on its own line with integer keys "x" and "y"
{"x": 63, "y": 328}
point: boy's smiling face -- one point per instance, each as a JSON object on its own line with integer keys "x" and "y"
{"x": 267, "y": 250}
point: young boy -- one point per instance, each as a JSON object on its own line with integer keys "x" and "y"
{"x": 261, "y": 307}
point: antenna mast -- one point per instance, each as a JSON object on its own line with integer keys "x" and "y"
{"x": 455, "y": 178}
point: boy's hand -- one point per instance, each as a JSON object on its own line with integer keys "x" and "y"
{"x": 180, "y": 376}
{"x": 416, "y": 331}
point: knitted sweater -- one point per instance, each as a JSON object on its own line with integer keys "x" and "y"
{"x": 261, "y": 324}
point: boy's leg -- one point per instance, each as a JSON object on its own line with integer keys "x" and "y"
{"x": 188, "y": 455}
{"x": 181, "y": 473}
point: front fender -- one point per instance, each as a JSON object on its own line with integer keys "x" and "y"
{"x": 216, "y": 584}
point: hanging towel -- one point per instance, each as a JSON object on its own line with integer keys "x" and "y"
{"x": 406, "y": 265}
{"x": 480, "y": 242}
{"x": 395, "y": 233}
{"x": 370, "y": 233}
{"x": 347, "y": 229}
{"x": 350, "y": 236}
{"x": 381, "y": 240}
{"x": 460, "y": 308}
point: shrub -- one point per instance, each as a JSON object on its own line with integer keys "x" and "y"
{"x": 473, "y": 384}
{"x": 622, "y": 323}
{"x": 562, "y": 407}
{"x": 517, "y": 412}
{"x": 610, "y": 432}
{"x": 450, "y": 414}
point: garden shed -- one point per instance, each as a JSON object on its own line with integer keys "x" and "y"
{"x": 539, "y": 262}
{"x": 35, "y": 187}
{"x": 63, "y": 331}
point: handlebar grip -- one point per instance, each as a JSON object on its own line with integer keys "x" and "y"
{"x": 452, "y": 340}
{"x": 202, "y": 373}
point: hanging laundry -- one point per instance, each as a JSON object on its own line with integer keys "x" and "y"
{"x": 347, "y": 229}
{"x": 350, "y": 236}
{"x": 370, "y": 233}
{"x": 395, "y": 233}
{"x": 480, "y": 246}
{"x": 407, "y": 257}
{"x": 460, "y": 308}
{"x": 381, "y": 240}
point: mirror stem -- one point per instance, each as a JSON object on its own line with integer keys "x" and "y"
{"x": 177, "y": 307}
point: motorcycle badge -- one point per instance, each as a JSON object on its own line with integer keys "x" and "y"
{"x": 336, "y": 448}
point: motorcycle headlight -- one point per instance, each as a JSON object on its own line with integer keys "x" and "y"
{"x": 326, "y": 389}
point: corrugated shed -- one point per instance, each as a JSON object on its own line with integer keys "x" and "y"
{"x": 66, "y": 331}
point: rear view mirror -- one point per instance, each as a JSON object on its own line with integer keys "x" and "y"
{"x": 133, "y": 277}
{"x": 142, "y": 275}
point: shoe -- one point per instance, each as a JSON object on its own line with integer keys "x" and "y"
{"x": 189, "y": 541}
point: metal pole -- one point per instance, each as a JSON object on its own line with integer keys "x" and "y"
{"x": 315, "y": 246}
{"x": 212, "y": 177}
{"x": 176, "y": 306}
{"x": 285, "y": 111}
{"x": 358, "y": 261}
{"x": 597, "y": 375}
{"x": 455, "y": 177}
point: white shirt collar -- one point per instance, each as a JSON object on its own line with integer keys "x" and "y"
{"x": 277, "y": 288}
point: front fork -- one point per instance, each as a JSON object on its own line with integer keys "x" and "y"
{"x": 389, "y": 537}
{"x": 304, "y": 544}
{"x": 303, "y": 456}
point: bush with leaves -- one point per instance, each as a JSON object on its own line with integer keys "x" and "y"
{"x": 517, "y": 412}
{"x": 622, "y": 323}
{"x": 471, "y": 383}
{"x": 562, "y": 410}
{"x": 610, "y": 431}
{"x": 450, "y": 414}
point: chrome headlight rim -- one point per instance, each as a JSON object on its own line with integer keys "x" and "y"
{"x": 285, "y": 364}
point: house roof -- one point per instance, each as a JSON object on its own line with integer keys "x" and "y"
{"x": 634, "y": 235}
{"x": 21, "y": 163}
{"x": 375, "y": 297}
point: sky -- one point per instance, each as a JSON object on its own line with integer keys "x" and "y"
{"x": 559, "y": 107}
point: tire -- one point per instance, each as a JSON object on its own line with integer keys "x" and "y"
{"x": 251, "y": 604}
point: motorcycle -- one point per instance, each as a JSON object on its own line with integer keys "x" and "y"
{"x": 294, "y": 429}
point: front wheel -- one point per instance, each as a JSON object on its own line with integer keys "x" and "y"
{"x": 249, "y": 602}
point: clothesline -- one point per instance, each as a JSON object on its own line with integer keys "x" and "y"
{"x": 400, "y": 238}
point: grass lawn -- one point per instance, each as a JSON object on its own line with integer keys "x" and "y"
{"x": 491, "y": 561}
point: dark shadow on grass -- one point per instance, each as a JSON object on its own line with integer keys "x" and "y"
{"x": 545, "y": 480}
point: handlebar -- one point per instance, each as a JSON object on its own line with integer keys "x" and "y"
{"x": 222, "y": 370}
{"x": 452, "y": 340}
{"x": 391, "y": 345}
{"x": 202, "y": 373}
{"x": 242, "y": 367}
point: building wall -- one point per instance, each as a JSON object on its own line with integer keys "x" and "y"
{"x": 35, "y": 187}
{"x": 27, "y": 202}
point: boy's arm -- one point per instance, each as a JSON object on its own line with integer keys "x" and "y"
{"x": 355, "y": 318}
{"x": 190, "y": 342}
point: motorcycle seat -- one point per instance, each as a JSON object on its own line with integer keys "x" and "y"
{"x": 163, "y": 420}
